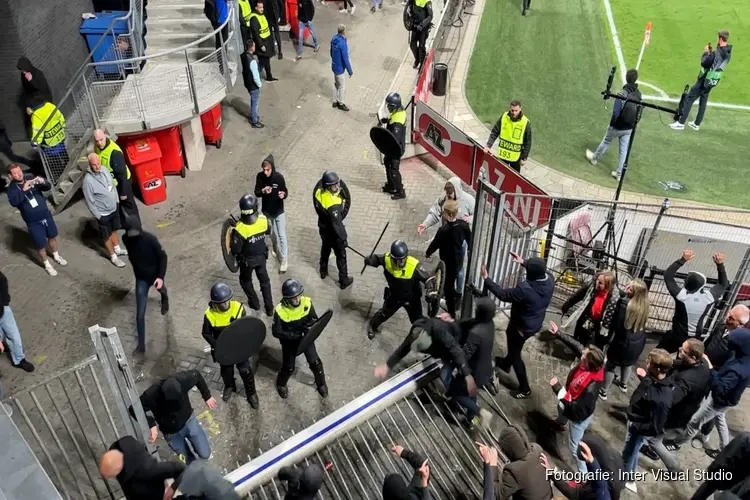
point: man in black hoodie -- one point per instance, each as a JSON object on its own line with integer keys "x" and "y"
{"x": 624, "y": 118}
{"x": 713, "y": 64}
{"x": 201, "y": 481}
{"x": 731, "y": 467}
{"x": 139, "y": 474}
{"x": 33, "y": 82}
{"x": 449, "y": 241}
{"x": 394, "y": 486}
{"x": 270, "y": 187}
{"x": 304, "y": 483}
{"x": 529, "y": 300}
{"x": 149, "y": 261}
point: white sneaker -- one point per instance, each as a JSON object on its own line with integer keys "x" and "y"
{"x": 50, "y": 270}
{"x": 591, "y": 157}
{"x": 630, "y": 485}
{"x": 60, "y": 260}
{"x": 120, "y": 251}
{"x": 283, "y": 266}
{"x": 693, "y": 126}
{"x": 273, "y": 252}
{"x": 342, "y": 11}
{"x": 677, "y": 126}
{"x": 116, "y": 261}
{"x": 485, "y": 417}
{"x": 615, "y": 175}
{"x": 351, "y": 12}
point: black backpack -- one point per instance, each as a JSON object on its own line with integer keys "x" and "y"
{"x": 209, "y": 9}
{"x": 629, "y": 113}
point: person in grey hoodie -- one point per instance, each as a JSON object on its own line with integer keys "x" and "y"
{"x": 524, "y": 477}
{"x": 101, "y": 199}
{"x": 451, "y": 191}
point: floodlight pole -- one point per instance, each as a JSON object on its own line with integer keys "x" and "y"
{"x": 607, "y": 94}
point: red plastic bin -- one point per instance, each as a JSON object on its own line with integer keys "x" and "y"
{"x": 144, "y": 157}
{"x": 212, "y": 129}
{"x": 172, "y": 157}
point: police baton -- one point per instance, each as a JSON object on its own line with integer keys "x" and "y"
{"x": 356, "y": 251}
{"x": 376, "y": 246}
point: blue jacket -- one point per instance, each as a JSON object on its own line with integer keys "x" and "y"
{"x": 529, "y": 301}
{"x": 340, "y": 56}
{"x": 729, "y": 382}
{"x": 222, "y": 10}
{"x": 22, "y": 200}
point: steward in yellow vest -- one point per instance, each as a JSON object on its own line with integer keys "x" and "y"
{"x": 331, "y": 204}
{"x": 291, "y": 321}
{"x": 405, "y": 277}
{"x": 221, "y": 312}
{"x": 260, "y": 30}
{"x": 249, "y": 245}
{"x": 47, "y": 126}
{"x": 396, "y": 124}
{"x": 514, "y": 131}
{"x": 112, "y": 158}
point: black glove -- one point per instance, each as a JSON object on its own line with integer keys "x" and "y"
{"x": 384, "y": 120}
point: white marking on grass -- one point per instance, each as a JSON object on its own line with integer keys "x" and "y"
{"x": 721, "y": 105}
{"x": 660, "y": 91}
{"x": 615, "y": 39}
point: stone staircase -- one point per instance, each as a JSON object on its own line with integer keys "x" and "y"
{"x": 175, "y": 23}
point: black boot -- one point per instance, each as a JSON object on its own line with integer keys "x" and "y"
{"x": 400, "y": 195}
{"x": 323, "y": 272}
{"x": 252, "y": 397}
{"x": 320, "y": 378}
{"x": 372, "y": 331}
{"x": 283, "y": 391}
{"x": 387, "y": 188}
{"x": 227, "y": 392}
{"x": 345, "y": 282}
{"x": 281, "y": 380}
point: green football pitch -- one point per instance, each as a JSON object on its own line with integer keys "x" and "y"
{"x": 556, "y": 61}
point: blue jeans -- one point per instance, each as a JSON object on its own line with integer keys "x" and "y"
{"x": 460, "y": 273}
{"x": 459, "y": 392}
{"x": 278, "y": 230}
{"x": 575, "y": 434}
{"x": 141, "y": 301}
{"x": 632, "y": 448}
{"x": 254, "y": 105}
{"x": 446, "y": 375}
{"x": 377, "y": 3}
{"x": 191, "y": 433}
{"x": 10, "y": 335}
{"x": 624, "y": 138}
{"x": 301, "y": 36}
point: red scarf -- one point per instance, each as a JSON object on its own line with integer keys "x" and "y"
{"x": 579, "y": 379}
{"x": 597, "y": 307}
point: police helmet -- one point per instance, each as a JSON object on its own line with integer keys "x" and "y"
{"x": 291, "y": 288}
{"x": 330, "y": 178}
{"x": 399, "y": 250}
{"x": 221, "y": 292}
{"x": 248, "y": 205}
{"x": 393, "y": 101}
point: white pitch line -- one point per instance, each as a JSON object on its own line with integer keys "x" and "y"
{"x": 660, "y": 91}
{"x": 722, "y": 105}
{"x": 615, "y": 39}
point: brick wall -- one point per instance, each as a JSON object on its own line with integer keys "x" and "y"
{"x": 47, "y": 32}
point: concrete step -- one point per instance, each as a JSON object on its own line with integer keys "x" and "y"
{"x": 158, "y": 42}
{"x": 193, "y": 24}
{"x": 190, "y": 9}
{"x": 194, "y": 54}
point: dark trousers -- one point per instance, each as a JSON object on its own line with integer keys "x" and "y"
{"x": 141, "y": 301}
{"x": 459, "y": 392}
{"x": 328, "y": 244}
{"x": 671, "y": 342}
{"x": 265, "y": 65}
{"x": 393, "y": 174}
{"x": 696, "y": 92}
{"x": 222, "y": 35}
{"x": 274, "y": 27}
{"x": 246, "y": 282}
{"x": 526, "y": 5}
{"x": 289, "y": 360}
{"x": 348, "y": 4}
{"x": 515, "y": 165}
{"x": 449, "y": 290}
{"x": 246, "y": 374}
{"x": 418, "y": 43}
{"x": 390, "y": 306}
{"x": 586, "y": 336}
{"x": 513, "y": 358}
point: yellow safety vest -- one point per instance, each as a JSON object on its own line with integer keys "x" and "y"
{"x": 245, "y": 12}
{"x": 403, "y": 273}
{"x": 106, "y": 154}
{"x": 287, "y": 313}
{"x": 399, "y": 117}
{"x": 222, "y": 319}
{"x": 511, "y": 137}
{"x": 247, "y": 231}
{"x": 264, "y": 31}
{"x": 421, "y": 3}
{"x": 54, "y": 129}
{"x": 327, "y": 199}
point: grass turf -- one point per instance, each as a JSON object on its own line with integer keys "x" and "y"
{"x": 679, "y": 32}
{"x": 556, "y": 61}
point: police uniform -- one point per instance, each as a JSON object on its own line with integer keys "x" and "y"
{"x": 50, "y": 122}
{"x": 290, "y": 324}
{"x": 396, "y": 124}
{"x": 252, "y": 253}
{"x": 214, "y": 322}
{"x": 421, "y": 18}
{"x": 404, "y": 285}
{"x": 330, "y": 207}
{"x": 120, "y": 173}
{"x": 514, "y": 139}
{"x": 261, "y": 34}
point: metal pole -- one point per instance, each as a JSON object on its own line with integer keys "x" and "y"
{"x": 551, "y": 229}
{"x": 467, "y": 299}
{"x": 664, "y": 207}
{"x": 191, "y": 84}
{"x": 224, "y": 63}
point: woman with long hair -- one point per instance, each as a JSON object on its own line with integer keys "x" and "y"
{"x": 600, "y": 299}
{"x": 629, "y": 336}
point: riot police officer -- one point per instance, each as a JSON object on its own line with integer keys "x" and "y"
{"x": 291, "y": 321}
{"x": 396, "y": 124}
{"x": 221, "y": 312}
{"x": 421, "y": 21}
{"x": 252, "y": 252}
{"x": 331, "y": 205}
{"x": 404, "y": 276}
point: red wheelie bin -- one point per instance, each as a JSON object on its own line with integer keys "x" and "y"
{"x": 213, "y": 132}
{"x": 172, "y": 157}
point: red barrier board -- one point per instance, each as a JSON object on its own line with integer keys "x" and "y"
{"x": 424, "y": 82}
{"x": 444, "y": 141}
{"x": 533, "y": 211}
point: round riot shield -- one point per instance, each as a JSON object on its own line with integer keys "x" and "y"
{"x": 386, "y": 142}
{"x": 227, "y": 233}
{"x": 407, "y": 17}
{"x": 240, "y": 341}
{"x": 434, "y": 289}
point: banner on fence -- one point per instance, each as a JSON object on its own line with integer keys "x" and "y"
{"x": 424, "y": 82}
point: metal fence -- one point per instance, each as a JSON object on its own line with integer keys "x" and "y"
{"x": 126, "y": 86}
{"x": 634, "y": 240}
{"x": 71, "y": 419}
